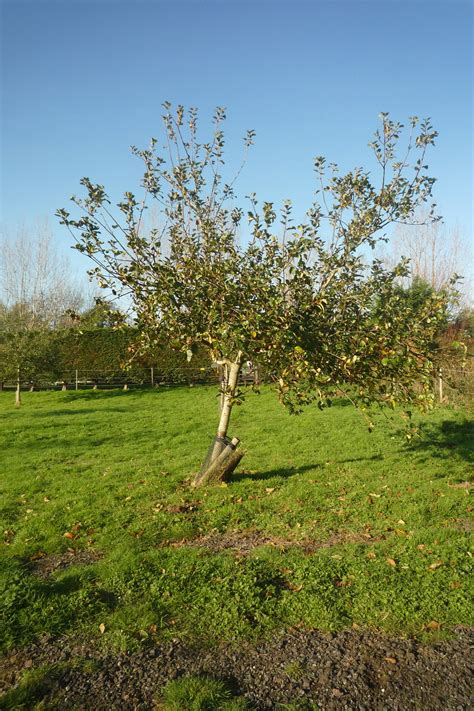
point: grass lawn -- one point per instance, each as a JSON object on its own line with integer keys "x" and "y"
{"x": 323, "y": 526}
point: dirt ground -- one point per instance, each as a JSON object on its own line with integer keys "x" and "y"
{"x": 351, "y": 669}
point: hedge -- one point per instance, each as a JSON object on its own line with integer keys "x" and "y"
{"x": 103, "y": 354}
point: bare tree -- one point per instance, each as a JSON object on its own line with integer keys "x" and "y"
{"x": 436, "y": 252}
{"x": 37, "y": 293}
{"x": 35, "y": 279}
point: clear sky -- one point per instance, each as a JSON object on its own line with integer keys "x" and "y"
{"x": 83, "y": 80}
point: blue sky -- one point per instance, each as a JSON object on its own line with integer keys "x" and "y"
{"x": 83, "y": 80}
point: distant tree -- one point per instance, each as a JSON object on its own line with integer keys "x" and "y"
{"x": 37, "y": 292}
{"x": 25, "y": 352}
{"x": 100, "y": 315}
{"x": 417, "y": 293}
{"x": 35, "y": 278}
{"x": 308, "y": 302}
{"x": 436, "y": 253}
{"x": 464, "y": 323}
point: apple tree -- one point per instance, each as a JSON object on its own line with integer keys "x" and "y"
{"x": 308, "y": 302}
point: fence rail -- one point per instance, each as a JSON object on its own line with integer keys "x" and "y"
{"x": 454, "y": 385}
{"x": 80, "y": 379}
{"x": 450, "y": 384}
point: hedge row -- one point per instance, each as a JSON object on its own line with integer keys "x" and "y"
{"x": 98, "y": 354}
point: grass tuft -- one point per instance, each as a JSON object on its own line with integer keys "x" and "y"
{"x": 195, "y": 693}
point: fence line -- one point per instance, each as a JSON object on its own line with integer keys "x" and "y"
{"x": 151, "y": 377}
{"x": 451, "y": 384}
{"x": 448, "y": 383}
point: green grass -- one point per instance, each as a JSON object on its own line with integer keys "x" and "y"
{"x": 112, "y": 469}
{"x": 33, "y": 685}
{"x": 195, "y": 693}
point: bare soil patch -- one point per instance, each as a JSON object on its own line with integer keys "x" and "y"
{"x": 44, "y": 565}
{"x": 244, "y": 542}
{"x": 351, "y": 669}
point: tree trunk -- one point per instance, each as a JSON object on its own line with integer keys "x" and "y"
{"x": 18, "y": 392}
{"x": 223, "y": 381}
{"x": 222, "y": 457}
{"x": 222, "y": 466}
{"x": 256, "y": 376}
{"x": 229, "y": 394}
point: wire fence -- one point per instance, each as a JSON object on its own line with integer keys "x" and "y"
{"x": 152, "y": 377}
{"x": 454, "y": 385}
{"x": 451, "y": 385}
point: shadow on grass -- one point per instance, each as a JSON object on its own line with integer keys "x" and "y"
{"x": 374, "y": 457}
{"x": 133, "y": 391}
{"x": 75, "y": 583}
{"x": 340, "y": 402}
{"x": 91, "y": 395}
{"x": 286, "y": 472}
{"x": 74, "y": 413}
{"x": 271, "y": 473}
{"x": 34, "y": 685}
{"x": 447, "y": 438}
{"x": 78, "y": 395}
